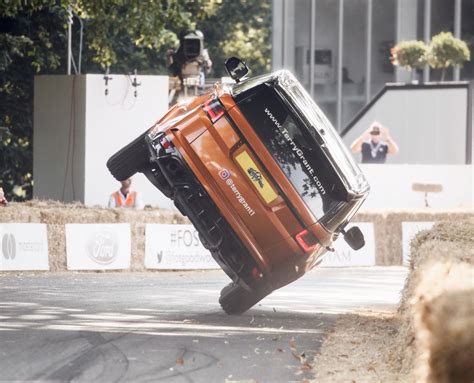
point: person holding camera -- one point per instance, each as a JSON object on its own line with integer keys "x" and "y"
{"x": 374, "y": 144}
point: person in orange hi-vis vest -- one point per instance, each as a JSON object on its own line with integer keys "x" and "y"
{"x": 125, "y": 197}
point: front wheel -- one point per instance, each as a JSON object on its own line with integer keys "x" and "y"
{"x": 236, "y": 300}
{"x": 130, "y": 159}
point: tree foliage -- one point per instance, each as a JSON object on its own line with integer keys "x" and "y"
{"x": 242, "y": 29}
{"x": 445, "y": 50}
{"x": 409, "y": 54}
{"x": 30, "y": 43}
{"x": 121, "y": 34}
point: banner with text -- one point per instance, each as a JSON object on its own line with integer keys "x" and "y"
{"x": 409, "y": 230}
{"x": 24, "y": 246}
{"x": 98, "y": 246}
{"x": 344, "y": 256}
{"x": 175, "y": 247}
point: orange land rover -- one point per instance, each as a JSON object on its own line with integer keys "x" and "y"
{"x": 262, "y": 175}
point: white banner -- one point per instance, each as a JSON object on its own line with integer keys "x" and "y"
{"x": 344, "y": 256}
{"x": 175, "y": 247}
{"x": 98, "y": 246}
{"x": 24, "y": 246}
{"x": 409, "y": 230}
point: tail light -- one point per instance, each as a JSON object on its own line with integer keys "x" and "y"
{"x": 213, "y": 109}
{"x": 307, "y": 241}
{"x": 166, "y": 144}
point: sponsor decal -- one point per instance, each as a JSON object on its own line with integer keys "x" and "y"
{"x": 298, "y": 152}
{"x": 9, "y": 246}
{"x": 24, "y": 246}
{"x": 254, "y": 174}
{"x": 225, "y": 175}
{"x": 98, "y": 246}
{"x": 102, "y": 247}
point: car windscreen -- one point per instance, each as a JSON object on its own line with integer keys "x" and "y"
{"x": 294, "y": 149}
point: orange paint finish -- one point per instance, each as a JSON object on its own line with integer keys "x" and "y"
{"x": 267, "y": 230}
{"x": 261, "y": 222}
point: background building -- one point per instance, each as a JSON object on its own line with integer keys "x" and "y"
{"x": 351, "y": 41}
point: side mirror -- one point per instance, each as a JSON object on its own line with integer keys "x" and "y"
{"x": 236, "y": 68}
{"x": 354, "y": 238}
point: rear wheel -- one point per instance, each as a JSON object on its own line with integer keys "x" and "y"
{"x": 130, "y": 159}
{"x": 236, "y": 300}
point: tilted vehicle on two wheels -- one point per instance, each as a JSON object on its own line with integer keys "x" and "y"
{"x": 262, "y": 175}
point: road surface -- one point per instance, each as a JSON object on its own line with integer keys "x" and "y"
{"x": 168, "y": 326}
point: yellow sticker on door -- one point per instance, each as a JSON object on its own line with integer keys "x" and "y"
{"x": 257, "y": 178}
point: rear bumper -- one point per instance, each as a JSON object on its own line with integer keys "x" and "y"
{"x": 174, "y": 178}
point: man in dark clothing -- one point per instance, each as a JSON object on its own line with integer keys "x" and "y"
{"x": 374, "y": 144}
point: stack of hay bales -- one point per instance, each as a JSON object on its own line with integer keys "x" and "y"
{"x": 437, "y": 336}
{"x": 388, "y": 228}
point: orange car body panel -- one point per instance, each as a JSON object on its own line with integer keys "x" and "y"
{"x": 264, "y": 223}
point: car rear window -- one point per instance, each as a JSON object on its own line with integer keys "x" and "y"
{"x": 294, "y": 149}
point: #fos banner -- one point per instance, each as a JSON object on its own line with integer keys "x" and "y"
{"x": 175, "y": 247}
{"x": 344, "y": 255}
{"x": 98, "y": 246}
{"x": 24, "y": 246}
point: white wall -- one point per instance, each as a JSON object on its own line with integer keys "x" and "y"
{"x": 58, "y": 165}
{"x": 112, "y": 123}
{"x": 429, "y": 125}
{"x": 94, "y": 127}
{"x": 391, "y": 186}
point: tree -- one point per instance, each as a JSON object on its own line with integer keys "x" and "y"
{"x": 445, "y": 50}
{"x": 29, "y": 44}
{"x": 239, "y": 28}
{"x": 120, "y": 34}
{"x": 409, "y": 54}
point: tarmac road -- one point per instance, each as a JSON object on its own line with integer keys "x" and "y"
{"x": 168, "y": 326}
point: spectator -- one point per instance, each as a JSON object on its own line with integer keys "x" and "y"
{"x": 3, "y": 200}
{"x": 345, "y": 76}
{"x": 374, "y": 144}
{"x": 125, "y": 197}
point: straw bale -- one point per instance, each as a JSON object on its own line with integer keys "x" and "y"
{"x": 436, "y": 338}
{"x": 444, "y": 321}
{"x": 388, "y": 228}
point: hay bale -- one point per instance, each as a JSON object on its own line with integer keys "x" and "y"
{"x": 388, "y": 228}
{"x": 436, "y": 339}
{"x": 446, "y": 338}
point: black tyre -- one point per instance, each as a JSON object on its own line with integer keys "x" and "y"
{"x": 236, "y": 300}
{"x": 130, "y": 159}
